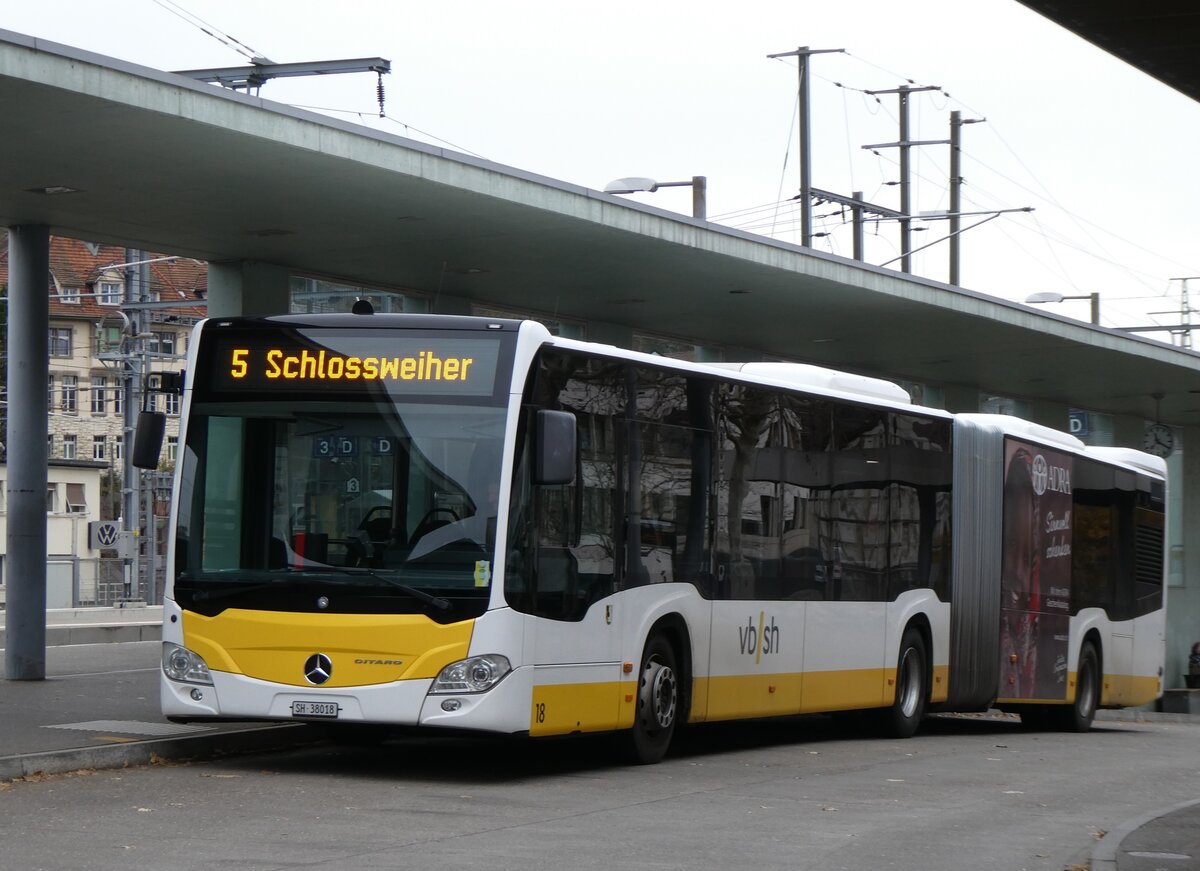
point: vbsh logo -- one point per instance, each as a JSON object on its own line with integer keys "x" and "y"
{"x": 761, "y": 640}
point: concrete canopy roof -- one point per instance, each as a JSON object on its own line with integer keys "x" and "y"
{"x": 1161, "y": 38}
{"x": 162, "y": 163}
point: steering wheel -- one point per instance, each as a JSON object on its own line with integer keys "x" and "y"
{"x": 378, "y": 523}
{"x": 433, "y": 520}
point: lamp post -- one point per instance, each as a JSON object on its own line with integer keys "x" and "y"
{"x": 1050, "y": 296}
{"x": 637, "y": 185}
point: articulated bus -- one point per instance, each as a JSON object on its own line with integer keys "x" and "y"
{"x": 470, "y": 524}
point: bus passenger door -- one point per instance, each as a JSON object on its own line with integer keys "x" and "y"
{"x": 577, "y": 671}
{"x": 576, "y": 632}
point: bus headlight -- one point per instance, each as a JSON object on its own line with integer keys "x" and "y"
{"x": 179, "y": 663}
{"x": 478, "y": 674}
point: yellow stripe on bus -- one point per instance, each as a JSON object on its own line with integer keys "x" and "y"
{"x": 1119, "y": 689}
{"x": 364, "y": 648}
{"x": 560, "y": 709}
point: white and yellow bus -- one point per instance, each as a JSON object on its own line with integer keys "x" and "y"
{"x": 472, "y": 524}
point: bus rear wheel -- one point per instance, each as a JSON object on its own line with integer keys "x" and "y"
{"x": 657, "y": 710}
{"x": 1079, "y": 716}
{"x": 912, "y": 687}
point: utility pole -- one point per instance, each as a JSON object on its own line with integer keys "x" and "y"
{"x": 802, "y": 54}
{"x": 905, "y": 144}
{"x": 131, "y": 377}
{"x": 956, "y": 123}
{"x": 1185, "y": 311}
{"x": 955, "y": 192}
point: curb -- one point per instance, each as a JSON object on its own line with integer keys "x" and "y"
{"x": 67, "y": 634}
{"x": 248, "y": 740}
{"x": 1104, "y": 855}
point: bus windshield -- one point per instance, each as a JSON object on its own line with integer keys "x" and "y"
{"x": 365, "y": 500}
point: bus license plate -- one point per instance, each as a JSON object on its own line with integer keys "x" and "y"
{"x": 328, "y": 710}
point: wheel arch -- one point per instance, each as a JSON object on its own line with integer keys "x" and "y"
{"x": 673, "y": 627}
{"x": 1092, "y": 636}
{"x": 920, "y": 622}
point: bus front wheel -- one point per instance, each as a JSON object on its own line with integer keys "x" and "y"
{"x": 657, "y": 708}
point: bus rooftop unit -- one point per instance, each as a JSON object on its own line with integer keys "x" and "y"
{"x": 434, "y": 521}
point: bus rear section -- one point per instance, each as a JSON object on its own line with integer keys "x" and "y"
{"x": 1059, "y": 595}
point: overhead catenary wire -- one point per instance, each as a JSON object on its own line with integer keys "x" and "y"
{"x": 211, "y": 30}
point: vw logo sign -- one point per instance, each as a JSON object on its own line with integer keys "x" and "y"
{"x": 318, "y": 668}
{"x": 104, "y": 534}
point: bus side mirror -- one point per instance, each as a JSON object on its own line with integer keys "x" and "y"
{"x": 148, "y": 438}
{"x": 555, "y": 448}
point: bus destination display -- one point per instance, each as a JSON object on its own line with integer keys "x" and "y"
{"x": 354, "y": 363}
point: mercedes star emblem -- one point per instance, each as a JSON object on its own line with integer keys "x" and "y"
{"x": 318, "y": 668}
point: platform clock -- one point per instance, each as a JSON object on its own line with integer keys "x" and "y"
{"x": 1158, "y": 440}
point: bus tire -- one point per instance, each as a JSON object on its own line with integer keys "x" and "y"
{"x": 903, "y": 718}
{"x": 657, "y": 704}
{"x": 1079, "y": 715}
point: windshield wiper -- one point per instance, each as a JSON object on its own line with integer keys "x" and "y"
{"x": 417, "y": 593}
{"x": 211, "y": 595}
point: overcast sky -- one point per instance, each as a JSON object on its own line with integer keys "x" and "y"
{"x": 588, "y": 92}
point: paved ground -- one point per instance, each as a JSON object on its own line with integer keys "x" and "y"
{"x": 98, "y": 708}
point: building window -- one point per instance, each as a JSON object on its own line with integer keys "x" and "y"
{"x": 70, "y": 393}
{"x": 109, "y": 293}
{"x": 119, "y": 447}
{"x": 60, "y": 341}
{"x": 99, "y": 394}
{"x": 172, "y": 400}
{"x": 99, "y": 444}
{"x": 69, "y": 447}
{"x": 51, "y": 498}
{"x": 172, "y": 448}
{"x": 108, "y": 339}
{"x": 50, "y": 391}
{"x": 118, "y": 400}
{"x": 76, "y": 503}
{"x": 161, "y": 343}
{"x": 50, "y": 445}
{"x": 69, "y": 295}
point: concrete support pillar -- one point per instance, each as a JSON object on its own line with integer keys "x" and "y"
{"x": 28, "y": 367}
{"x": 246, "y": 287}
{"x": 1183, "y": 600}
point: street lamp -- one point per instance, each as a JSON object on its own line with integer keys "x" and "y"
{"x": 637, "y": 185}
{"x": 1050, "y": 296}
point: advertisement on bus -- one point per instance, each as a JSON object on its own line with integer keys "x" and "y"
{"x": 1035, "y": 572}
